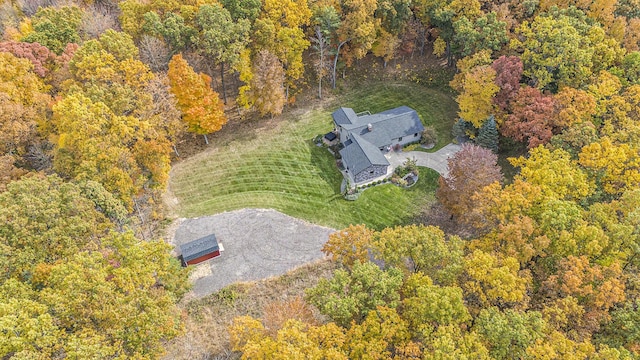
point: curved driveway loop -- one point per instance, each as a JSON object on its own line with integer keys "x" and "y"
{"x": 258, "y": 243}
{"x": 436, "y": 160}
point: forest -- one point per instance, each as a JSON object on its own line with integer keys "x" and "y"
{"x": 540, "y": 255}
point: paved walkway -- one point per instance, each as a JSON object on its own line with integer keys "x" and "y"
{"x": 436, "y": 160}
{"x": 258, "y": 243}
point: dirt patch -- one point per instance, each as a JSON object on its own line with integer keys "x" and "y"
{"x": 207, "y": 319}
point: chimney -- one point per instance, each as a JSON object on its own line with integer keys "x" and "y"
{"x": 369, "y": 127}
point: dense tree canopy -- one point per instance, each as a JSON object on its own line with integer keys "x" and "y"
{"x": 55, "y": 28}
{"x": 546, "y": 265}
{"x": 70, "y": 285}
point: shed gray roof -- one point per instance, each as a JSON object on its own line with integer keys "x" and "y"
{"x": 359, "y": 154}
{"x": 196, "y": 248}
{"x": 344, "y": 116}
{"x": 386, "y": 126}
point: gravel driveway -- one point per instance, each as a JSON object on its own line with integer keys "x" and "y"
{"x": 258, "y": 244}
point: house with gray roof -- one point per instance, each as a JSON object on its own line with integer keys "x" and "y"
{"x": 366, "y": 138}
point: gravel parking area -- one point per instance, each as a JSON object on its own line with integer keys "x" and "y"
{"x": 258, "y": 244}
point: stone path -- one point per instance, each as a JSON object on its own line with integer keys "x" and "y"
{"x": 436, "y": 160}
{"x": 258, "y": 244}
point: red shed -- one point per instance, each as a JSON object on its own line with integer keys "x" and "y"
{"x": 199, "y": 250}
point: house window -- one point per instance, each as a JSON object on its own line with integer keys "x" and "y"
{"x": 400, "y": 138}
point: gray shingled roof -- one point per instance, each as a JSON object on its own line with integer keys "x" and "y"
{"x": 386, "y": 126}
{"x": 344, "y": 116}
{"x": 196, "y": 248}
{"x": 360, "y": 154}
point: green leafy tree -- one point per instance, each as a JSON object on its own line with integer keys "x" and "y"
{"x": 624, "y": 327}
{"x": 486, "y": 32}
{"x": 242, "y": 9}
{"x": 507, "y": 334}
{"x": 55, "y": 27}
{"x": 394, "y": 15}
{"x": 44, "y": 221}
{"x": 449, "y": 342}
{"x": 349, "y": 296}
{"x": 120, "y": 296}
{"x": 70, "y": 286}
{"x": 426, "y": 306}
{"x": 118, "y": 44}
{"x": 173, "y": 28}
{"x": 220, "y": 37}
{"x": 631, "y": 67}
{"x": 560, "y": 47}
{"x": 421, "y": 249}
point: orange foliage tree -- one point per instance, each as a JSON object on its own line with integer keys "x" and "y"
{"x": 201, "y": 107}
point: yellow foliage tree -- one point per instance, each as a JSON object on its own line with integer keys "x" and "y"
{"x": 349, "y": 245}
{"x": 201, "y": 107}
{"x": 615, "y": 166}
{"x": 386, "y": 45}
{"x": 490, "y": 280}
{"x": 476, "y": 99}
{"x": 555, "y": 173}
{"x": 575, "y": 106}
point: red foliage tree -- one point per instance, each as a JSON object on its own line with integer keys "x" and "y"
{"x": 470, "y": 169}
{"x": 41, "y": 57}
{"x": 508, "y": 73}
{"x": 532, "y": 117}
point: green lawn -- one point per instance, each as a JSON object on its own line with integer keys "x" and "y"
{"x": 280, "y": 167}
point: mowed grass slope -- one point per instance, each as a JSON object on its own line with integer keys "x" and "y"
{"x": 281, "y": 168}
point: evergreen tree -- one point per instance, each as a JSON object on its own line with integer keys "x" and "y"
{"x": 462, "y": 129}
{"x": 488, "y": 135}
